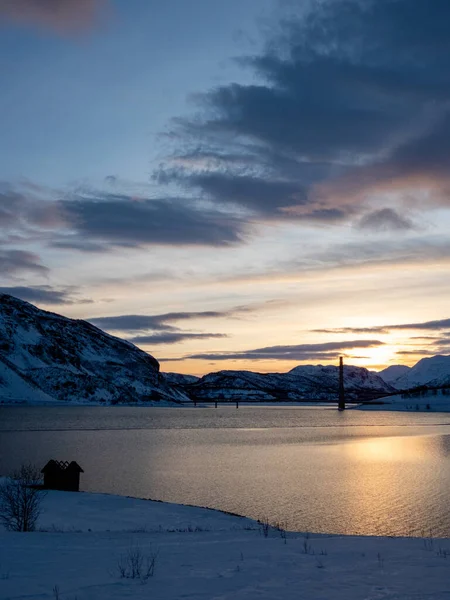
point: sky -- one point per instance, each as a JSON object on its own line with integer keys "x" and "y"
{"x": 250, "y": 184}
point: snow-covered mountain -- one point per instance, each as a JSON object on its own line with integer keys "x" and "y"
{"x": 44, "y": 356}
{"x": 394, "y": 372}
{"x": 179, "y": 378}
{"x": 433, "y": 371}
{"x": 301, "y": 383}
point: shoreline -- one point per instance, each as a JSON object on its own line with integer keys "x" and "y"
{"x": 257, "y": 522}
{"x": 409, "y": 407}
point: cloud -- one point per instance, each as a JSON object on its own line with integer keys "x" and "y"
{"x": 173, "y": 338}
{"x": 427, "y": 325}
{"x": 348, "y": 103}
{"x": 10, "y": 202}
{"x": 43, "y": 295}
{"x": 320, "y": 256}
{"x": 122, "y": 220}
{"x": 90, "y": 220}
{"x": 302, "y": 352}
{"x": 159, "y": 329}
{"x": 353, "y": 330}
{"x": 266, "y": 196}
{"x": 418, "y": 352}
{"x": 345, "y": 118}
{"x": 59, "y": 15}
{"x": 72, "y": 242}
{"x": 22, "y": 208}
{"x": 393, "y": 250}
{"x": 437, "y": 325}
{"x": 135, "y": 323}
{"x": 14, "y": 261}
{"x": 385, "y": 219}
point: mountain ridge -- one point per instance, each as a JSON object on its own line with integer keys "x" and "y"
{"x": 302, "y": 383}
{"x": 433, "y": 371}
{"x": 393, "y": 373}
{"x": 45, "y": 355}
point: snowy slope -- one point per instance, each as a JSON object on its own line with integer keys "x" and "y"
{"x": 179, "y": 378}
{"x": 204, "y": 555}
{"x": 14, "y": 388}
{"x": 358, "y": 381}
{"x": 433, "y": 371}
{"x": 71, "y": 360}
{"x": 419, "y": 400}
{"x": 393, "y": 373}
{"x": 301, "y": 383}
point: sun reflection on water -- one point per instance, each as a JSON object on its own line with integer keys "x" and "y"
{"x": 394, "y": 449}
{"x": 387, "y": 482}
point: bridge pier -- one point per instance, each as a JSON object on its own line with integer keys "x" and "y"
{"x": 341, "y": 405}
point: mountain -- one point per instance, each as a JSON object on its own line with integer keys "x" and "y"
{"x": 358, "y": 381}
{"x": 433, "y": 371}
{"x": 47, "y": 357}
{"x": 394, "y": 372}
{"x": 179, "y": 379}
{"x": 301, "y": 383}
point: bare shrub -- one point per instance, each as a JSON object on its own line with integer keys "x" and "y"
{"x": 307, "y": 548}
{"x": 282, "y": 527}
{"x": 21, "y": 498}
{"x": 428, "y": 542}
{"x": 264, "y": 526}
{"x": 134, "y": 564}
{"x": 57, "y": 593}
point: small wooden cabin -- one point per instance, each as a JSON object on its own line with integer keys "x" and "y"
{"x": 62, "y": 475}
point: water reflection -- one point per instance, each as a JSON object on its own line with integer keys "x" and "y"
{"x": 396, "y": 484}
{"x": 310, "y": 469}
{"x": 399, "y": 449}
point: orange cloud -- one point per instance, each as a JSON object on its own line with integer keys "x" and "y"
{"x": 60, "y": 15}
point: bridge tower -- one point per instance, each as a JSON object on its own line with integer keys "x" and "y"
{"x": 341, "y": 405}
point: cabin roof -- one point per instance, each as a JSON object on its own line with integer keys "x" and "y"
{"x": 62, "y": 465}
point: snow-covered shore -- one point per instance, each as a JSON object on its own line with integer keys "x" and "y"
{"x": 426, "y": 401}
{"x": 205, "y": 554}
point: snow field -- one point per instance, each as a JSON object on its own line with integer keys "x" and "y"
{"x": 204, "y": 554}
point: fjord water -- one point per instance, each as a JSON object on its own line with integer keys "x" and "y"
{"x": 310, "y": 469}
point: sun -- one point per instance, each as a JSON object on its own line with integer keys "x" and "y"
{"x": 377, "y": 358}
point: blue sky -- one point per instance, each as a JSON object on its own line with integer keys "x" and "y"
{"x": 91, "y": 104}
{"x": 263, "y": 183}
